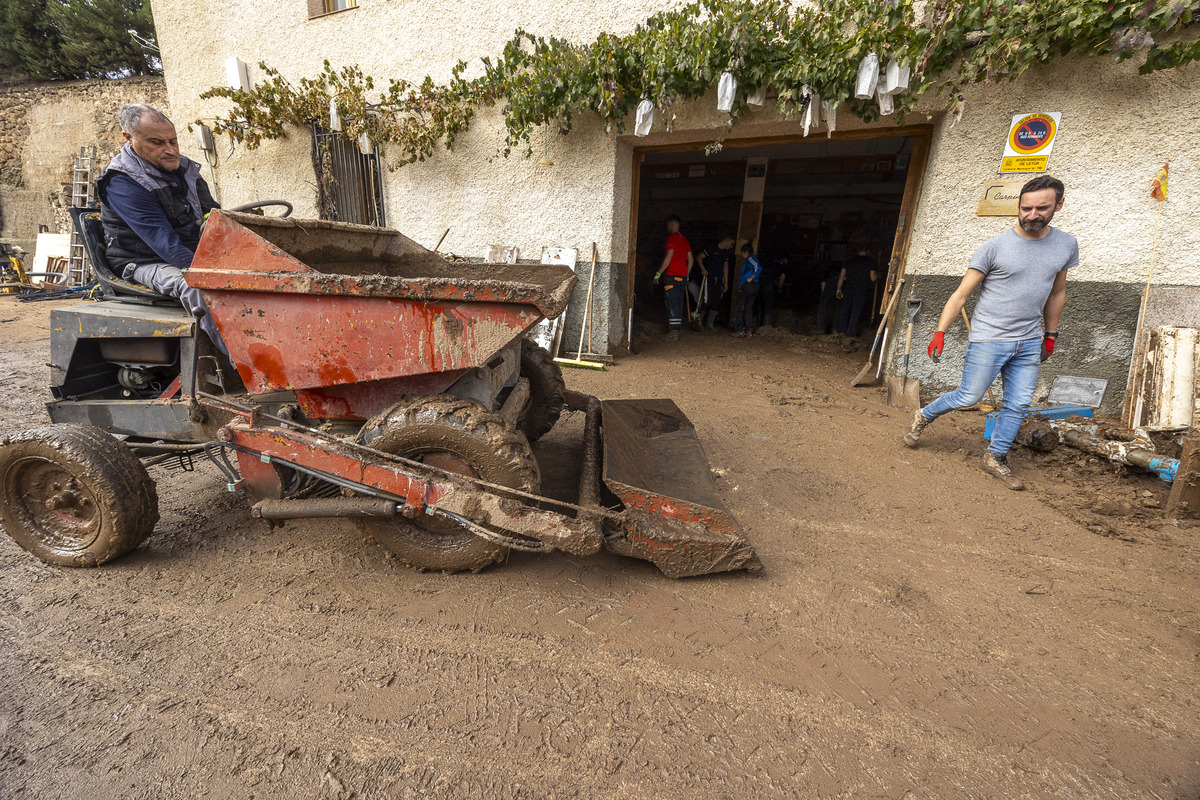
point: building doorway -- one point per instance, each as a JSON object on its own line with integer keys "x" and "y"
{"x": 814, "y": 202}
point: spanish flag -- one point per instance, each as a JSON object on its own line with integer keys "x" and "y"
{"x": 1159, "y": 189}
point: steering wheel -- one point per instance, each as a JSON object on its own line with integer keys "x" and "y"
{"x": 263, "y": 204}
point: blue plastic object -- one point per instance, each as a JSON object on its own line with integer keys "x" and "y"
{"x": 1061, "y": 411}
{"x": 1165, "y": 468}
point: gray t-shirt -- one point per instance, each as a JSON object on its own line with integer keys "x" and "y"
{"x": 1018, "y": 276}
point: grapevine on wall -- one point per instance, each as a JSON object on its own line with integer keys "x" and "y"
{"x": 678, "y": 55}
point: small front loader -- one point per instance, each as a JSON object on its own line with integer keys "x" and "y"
{"x": 366, "y": 378}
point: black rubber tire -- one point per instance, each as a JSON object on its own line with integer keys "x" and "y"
{"x": 74, "y": 496}
{"x": 442, "y": 427}
{"x": 546, "y": 391}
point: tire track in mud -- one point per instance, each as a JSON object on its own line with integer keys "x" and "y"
{"x": 903, "y": 640}
{"x": 523, "y": 714}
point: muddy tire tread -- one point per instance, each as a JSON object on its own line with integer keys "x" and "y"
{"x": 408, "y": 420}
{"x": 547, "y": 390}
{"x": 127, "y": 496}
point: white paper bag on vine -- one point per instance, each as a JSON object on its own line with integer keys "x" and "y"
{"x": 829, "y": 112}
{"x": 868, "y": 77}
{"x": 886, "y": 106}
{"x": 895, "y": 77}
{"x": 645, "y": 118}
{"x": 812, "y": 114}
{"x": 726, "y": 89}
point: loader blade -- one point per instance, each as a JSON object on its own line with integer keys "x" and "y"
{"x": 654, "y": 463}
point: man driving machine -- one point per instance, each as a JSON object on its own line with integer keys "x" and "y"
{"x": 152, "y": 204}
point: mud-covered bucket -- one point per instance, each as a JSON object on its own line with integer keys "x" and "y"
{"x": 654, "y": 463}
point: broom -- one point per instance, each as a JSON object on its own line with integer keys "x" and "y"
{"x": 578, "y": 361}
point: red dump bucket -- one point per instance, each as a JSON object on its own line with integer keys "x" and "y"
{"x": 350, "y": 316}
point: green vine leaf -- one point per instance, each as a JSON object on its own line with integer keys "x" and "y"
{"x": 679, "y": 54}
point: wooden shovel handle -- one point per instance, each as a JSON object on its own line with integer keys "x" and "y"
{"x": 890, "y": 306}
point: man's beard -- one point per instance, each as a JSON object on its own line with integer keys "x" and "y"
{"x": 1035, "y": 226}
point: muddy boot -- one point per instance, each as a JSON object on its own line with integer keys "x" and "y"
{"x": 997, "y": 466}
{"x": 918, "y": 424}
{"x": 710, "y": 320}
{"x": 673, "y": 335}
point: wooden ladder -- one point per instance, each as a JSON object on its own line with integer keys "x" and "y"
{"x": 83, "y": 194}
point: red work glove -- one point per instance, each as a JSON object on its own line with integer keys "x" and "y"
{"x": 1048, "y": 345}
{"x": 936, "y": 344}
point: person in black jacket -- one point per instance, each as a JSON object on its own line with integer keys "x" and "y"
{"x": 152, "y": 203}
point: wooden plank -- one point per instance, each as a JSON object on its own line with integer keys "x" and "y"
{"x": 773, "y": 141}
{"x": 914, "y": 181}
{"x": 631, "y": 263}
{"x": 1184, "y": 501}
{"x": 1174, "y": 306}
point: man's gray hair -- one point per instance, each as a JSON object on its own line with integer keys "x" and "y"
{"x": 130, "y": 116}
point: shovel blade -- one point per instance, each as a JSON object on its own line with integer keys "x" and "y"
{"x": 865, "y": 376}
{"x": 903, "y": 393}
{"x": 654, "y": 463}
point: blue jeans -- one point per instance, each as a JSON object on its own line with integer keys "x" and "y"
{"x": 1018, "y": 363}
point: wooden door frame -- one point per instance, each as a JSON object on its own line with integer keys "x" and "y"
{"x": 918, "y": 160}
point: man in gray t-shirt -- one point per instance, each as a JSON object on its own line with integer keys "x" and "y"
{"x": 1022, "y": 280}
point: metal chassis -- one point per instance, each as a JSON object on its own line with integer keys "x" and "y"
{"x": 263, "y": 441}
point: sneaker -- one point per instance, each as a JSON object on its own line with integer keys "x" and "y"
{"x": 673, "y": 336}
{"x": 749, "y": 332}
{"x": 997, "y": 466}
{"x": 738, "y": 333}
{"x": 918, "y": 424}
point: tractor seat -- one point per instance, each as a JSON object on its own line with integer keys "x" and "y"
{"x": 91, "y": 235}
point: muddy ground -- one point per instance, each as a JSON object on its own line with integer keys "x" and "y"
{"x": 918, "y": 630}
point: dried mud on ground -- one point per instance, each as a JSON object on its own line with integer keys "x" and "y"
{"x": 918, "y": 630}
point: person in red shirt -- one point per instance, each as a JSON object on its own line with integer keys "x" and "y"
{"x": 676, "y": 265}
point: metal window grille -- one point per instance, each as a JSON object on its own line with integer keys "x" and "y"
{"x": 350, "y": 184}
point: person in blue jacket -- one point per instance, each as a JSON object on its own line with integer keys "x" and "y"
{"x": 152, "y": 204}
{"x": 743, "y": 307}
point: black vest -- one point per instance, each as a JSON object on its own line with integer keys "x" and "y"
{"x": 123, "y": 246}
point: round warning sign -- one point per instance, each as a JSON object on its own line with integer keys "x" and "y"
{"x": 1031, "y": 134}
{"x": 1030, "y": 140}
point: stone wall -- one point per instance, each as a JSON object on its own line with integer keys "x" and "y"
{"x": 42, "y": 127}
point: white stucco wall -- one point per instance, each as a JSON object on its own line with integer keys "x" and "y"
{"x": 511, "y": 201}
{"x": 1117, "y": 129}
{"x": 481, "y": 196}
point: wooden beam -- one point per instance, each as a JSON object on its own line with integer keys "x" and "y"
{"x": 1184, "y": 501}
{"x": 631, "y": 266}
{"x": 913, "y": 183}
{"x": 786, "y": 139}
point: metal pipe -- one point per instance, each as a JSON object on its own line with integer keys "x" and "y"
{"x": 1137, "y": 453}
{"x": 325, "y": 507}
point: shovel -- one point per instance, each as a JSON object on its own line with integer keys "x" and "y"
{"x": 864, "y": 376}
{"x": 901, "y": 391}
